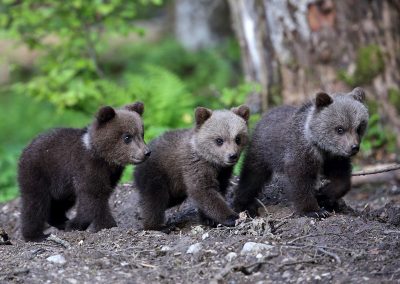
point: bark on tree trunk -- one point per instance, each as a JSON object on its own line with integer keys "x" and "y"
{"x": 294, "y": 48}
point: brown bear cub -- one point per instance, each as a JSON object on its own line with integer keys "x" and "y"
{"x": 195, "y": 163}
{"x": 67, "y": 166}
{"x": 304, "y": 145}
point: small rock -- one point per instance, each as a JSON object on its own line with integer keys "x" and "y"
{"x": 325, "y": 274}
{"x": 255, "y": 248}
{"x": 197, "y": 230}
{"x": 286, "y": 274}
{"x": 166, "y": 248}
{"x": 195, "y": 248}
{"x": 72, "y": 280}
{"x": 205, "y": 236}
{"x": 58, "y": 258}
{"x": 231, "y": 256}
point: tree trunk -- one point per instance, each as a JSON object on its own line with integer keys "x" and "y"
{"x": 201, "y": 23}
{"x": 295, "y": 48}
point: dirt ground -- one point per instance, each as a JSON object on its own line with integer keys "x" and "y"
{"x": 361, "y": 246}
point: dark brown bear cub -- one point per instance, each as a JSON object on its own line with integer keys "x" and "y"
{"x": 303, "y": 145}
{"x": 67, "y": 166}
{"x": 195, "y": 163}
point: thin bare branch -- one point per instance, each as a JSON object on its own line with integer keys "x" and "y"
{"x": 371, "y": 172}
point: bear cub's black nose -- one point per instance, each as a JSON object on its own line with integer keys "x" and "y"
{"x": 233, "y": 157}
{"x": 147, "y": 153}
{"x": 354, "y": 149}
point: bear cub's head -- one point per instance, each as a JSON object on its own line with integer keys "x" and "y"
{"x": 338, "y": 122}
{"x": 116, "y": 135}
{"x": 221, "y": 135}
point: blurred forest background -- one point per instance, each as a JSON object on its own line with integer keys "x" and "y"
{"x": 61, "y": 60}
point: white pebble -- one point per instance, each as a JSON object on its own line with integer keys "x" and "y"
{"x": 165, "y": 248}
{"x": 195, "y": 248}
{"x": 205, "y": 236}
{"x": 255, "y": 248}
{"x": 58, "y": 258}
{"x": 231, "y": 256}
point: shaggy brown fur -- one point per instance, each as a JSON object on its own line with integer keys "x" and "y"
{"x": 302, "y": 145}
{"x": 67, "y": 166}
{"x": 193, "y": 162}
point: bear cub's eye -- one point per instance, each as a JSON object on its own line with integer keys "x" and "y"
{"x": 219, "y": 141}
{"x": 340, "y": 130}
{"x": 238, "y": 140}
{"x": 127, "y": 138}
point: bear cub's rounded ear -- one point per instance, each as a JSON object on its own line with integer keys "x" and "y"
{"x": 243, "y": 111}
{"x": 105, "y": 114}
{"x": 322, "y": 99}
{"x": 201, "y": 114}
{"x": 358, "y": 94}
{"x": 136, "y": 107}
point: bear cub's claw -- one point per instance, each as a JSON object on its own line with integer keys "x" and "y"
{"x": 320, "y": 214}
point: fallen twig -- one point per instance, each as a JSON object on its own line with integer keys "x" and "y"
{"x": 15, "y": 272}
{"x": 262, "y": 204}
{"x": 59, "y": 241}
{"x": 251, "y": 268}
{"x": 296, "y": 262}
{"x": 371, "y": 172}
{"x": 391, "y": 232}
{"x": 331, "y": 254}
{"x": 274, "y": 227}
{"x": 314, "y": 235}
{"x": 147, "y": 265}
{"x": 245, "y": 269}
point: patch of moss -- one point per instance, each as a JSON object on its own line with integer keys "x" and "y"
{"x": 394, "y": 98}
{"x": 369, "y": 64}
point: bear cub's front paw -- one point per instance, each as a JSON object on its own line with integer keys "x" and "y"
{"x": 231, "y": 220}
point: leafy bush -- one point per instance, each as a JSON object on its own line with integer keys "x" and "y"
{"x": 202, "y": 71}
{"x": 378, "y": 137}
{"x": 69, "y": 34}
{"x": 167, "y": 101}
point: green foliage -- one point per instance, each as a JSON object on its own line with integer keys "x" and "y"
{"x": 167, "y": 101}
{"x": 378, "y": 136}
{"x": 237, "y": 95}
{"x": 369, "y": 64}
{"x": 202, "y": 71}
{"x": 69, "y": 33}
{"x": 8, "y": 163}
